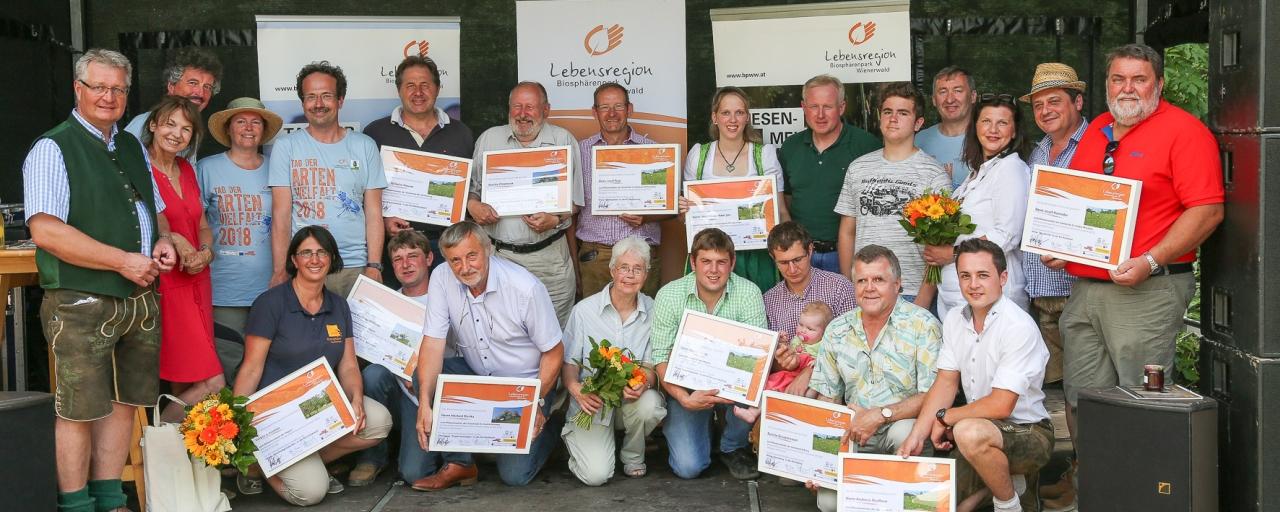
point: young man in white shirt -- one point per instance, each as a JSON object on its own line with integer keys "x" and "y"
{"x": 993, "y": 349}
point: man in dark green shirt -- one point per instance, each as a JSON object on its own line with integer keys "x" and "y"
{"x": 814, "y": 162}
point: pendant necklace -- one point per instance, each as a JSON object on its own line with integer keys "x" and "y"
{"x": 728, "y": 166}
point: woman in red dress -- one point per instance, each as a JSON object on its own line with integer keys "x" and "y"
{"x": 187, "y": 356}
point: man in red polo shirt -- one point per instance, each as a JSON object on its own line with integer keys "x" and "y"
{"x": 1117, "y": 321}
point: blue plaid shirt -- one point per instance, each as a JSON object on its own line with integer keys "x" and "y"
{"x": 1043, "y": 281}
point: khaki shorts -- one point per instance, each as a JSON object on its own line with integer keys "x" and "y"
{"x": 105, "y": 349}
{"x": 1028, "y": 448}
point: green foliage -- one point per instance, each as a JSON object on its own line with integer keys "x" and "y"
{"x": 1186, "y": 78}
{"x": 611, "y": 370}
{"x": 1187, "y": 351}
{"x": 246, "y": 450}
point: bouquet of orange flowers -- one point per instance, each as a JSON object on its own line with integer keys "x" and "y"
{"x": 612, "y": 370}
{"x": 935, "y": 219}
{"x": 217, "y": 431}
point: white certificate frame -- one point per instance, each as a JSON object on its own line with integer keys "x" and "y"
{"x": 566, "y": 199}
{"x": 527, "y": 426}
{"x": 1030, "y": 244}
{"x": 321, "y": 363}
{"x": 725, "y": 327}
{"x": 842, "y": 489}
{"x": 766, "y": 429}
{"x": 375, "y": 292}
{"x": 673, "y": 175}
{"x": 459, "y": 211}
{"x": 761, "y": 240}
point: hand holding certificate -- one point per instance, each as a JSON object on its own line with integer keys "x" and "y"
{"x": 745, "y": 208}
{"x": 528, "y": 180}
{"x": 884, "y": 483}
{"x": 484, "y": 414}
{"x": 386, "y": 325}
{"x": 713, "y": 353}
{"x": 636, "y": 179}
{"x": 802, "y": 439}
{"x": 425, "y": 187}
{"x": 298, "y": 415}
{"x": 1082, "y": 217}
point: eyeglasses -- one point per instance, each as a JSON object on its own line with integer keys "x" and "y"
{"x": 1109, "y": 161}
{"x": 990, "y": 96}
{"x": 326, "y": 97}
{"x": 627, "y": 270}
{"x": 99, "y": 90}
{"x": 604, "y": 109}
{"x": 308, "y": 254}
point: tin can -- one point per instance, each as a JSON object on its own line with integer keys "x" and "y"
{"x": 1153, "y": 377}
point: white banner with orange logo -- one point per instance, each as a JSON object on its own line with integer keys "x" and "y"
{"x": 573, "y": 46}
{"x": 866, "y": 41}
{"x": 367, "y": 48}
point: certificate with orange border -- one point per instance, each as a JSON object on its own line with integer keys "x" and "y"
{"x": 298, "y": 415}
{"x": 639, "y": 179}
{"x": 801, "y": 438}
{"x": 528, "y": 180}
{"x": 717, "y": 353}
{"x": 425, "y": 187}
{"x": 745, "y": 208}
{"x": 883, "y": 483}
{"x": 386, "y": 325}
{"x": 484, "y": 414}
{"x": 1079, "y": 216}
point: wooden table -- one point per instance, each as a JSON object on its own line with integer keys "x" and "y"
{"x": 17, "y": 269}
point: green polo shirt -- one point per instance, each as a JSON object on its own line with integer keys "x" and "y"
{"x": 813, "y": 179}
{"x": 741, "y": 302}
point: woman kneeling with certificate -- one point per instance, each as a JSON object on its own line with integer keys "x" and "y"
{"x": 290, "y": 326}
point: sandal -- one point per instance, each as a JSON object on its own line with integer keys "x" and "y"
{"x": 635, "y": 469}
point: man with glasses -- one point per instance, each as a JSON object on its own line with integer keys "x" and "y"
{"x": 194, "y": 74}
{"x": 597, "y": 234}
{"x": 791, "y": 246}
{"x": 1117, "y": 321}
{"x": 94, "y": 215}
{"x": 326, "y": 175}
{"x": 878, "y": 359}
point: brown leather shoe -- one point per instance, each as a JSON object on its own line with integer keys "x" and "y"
{"x": 450, "y": 475}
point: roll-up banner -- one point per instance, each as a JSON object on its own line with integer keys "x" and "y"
{"x": 573, "y": 46}
{"x": 367, "y": 48}
{"x": 864, "y": 41}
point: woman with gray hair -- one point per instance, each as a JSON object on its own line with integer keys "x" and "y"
{"x": 620, "y": 314}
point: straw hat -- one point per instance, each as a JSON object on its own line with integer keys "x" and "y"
{"x": 1053, "y": 75}
{"x": 218, "y": 121}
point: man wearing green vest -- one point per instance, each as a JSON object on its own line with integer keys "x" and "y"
{"x": 93, "y": 214}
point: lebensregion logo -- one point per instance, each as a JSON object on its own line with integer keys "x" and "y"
{"x": 415, "y": 47}
{"x": 869, "y": 60}
{"x": 600, "y": 41}
{"x": 862, "y": 32}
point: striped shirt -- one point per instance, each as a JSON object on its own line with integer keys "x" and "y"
{"x": 46, "y": 188}
{"x": 741, "y": 302}
{"x": 903, "y": 362}
{"x": 609, "y": 229}
{"x": 1043, "y": 281}
{"x": 783, "y": 307}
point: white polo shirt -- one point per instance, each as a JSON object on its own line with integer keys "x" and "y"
{"x": 1009, "y": 354}
{"x": 505, "y": 330}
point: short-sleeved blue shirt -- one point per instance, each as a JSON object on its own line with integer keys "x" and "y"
{"x": 297, "y": 337}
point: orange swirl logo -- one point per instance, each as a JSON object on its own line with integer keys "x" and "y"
{"x": 862, "y": 32}
{"x": 610, "y": 38}
{"x": 417, "y": 47}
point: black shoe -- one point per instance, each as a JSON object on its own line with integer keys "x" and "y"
{"x": 741, "y": 463}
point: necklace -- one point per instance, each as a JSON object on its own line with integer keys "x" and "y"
{"x": 728, "y": 166}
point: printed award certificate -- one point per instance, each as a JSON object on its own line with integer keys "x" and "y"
{"x": 1079, "y": 216}
{"x": 298, "y": 415}
{"x": 884, "y": 483}
{"x": 484, "y": 414}
{"x": 529, "y": 180}
{"x": 425, "y": 187}
{"x": 386, "y": 325}
{"x": 635, "y": 179}
{"x": 800, "y": 438}
{"x": 715, "y": 353}
{"x": 745, "y": 208}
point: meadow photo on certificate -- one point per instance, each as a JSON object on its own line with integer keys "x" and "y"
{"x": 885, "y": 483}
{"x": 800, "y": 438}
{"x": 639, "y": 179}
{"x": 484, "y": 414}
{"x": 1078, "y": 216}
{"x": 425, "y": 187}
{"x": 744, "y": 208}
{"x": 529, "y": 180}
{"x": 716, "y": 353}
{"x": 386, "y": 326}
{"x": 298, "y": 415}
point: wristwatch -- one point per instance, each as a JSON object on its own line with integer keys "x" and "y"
{"x": 886, "y": 413}
{"x": 375, "y": 266}
{"x": 1151, "y": 260}
{"x": 942, "y": 417}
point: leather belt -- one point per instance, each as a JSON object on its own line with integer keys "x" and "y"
{"x": 1173, "y": 269}
{"x": 528, "y": 248}
{"x": 823, "y": 246}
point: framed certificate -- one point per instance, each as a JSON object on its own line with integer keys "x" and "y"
{"x": 425, "y": 187}
{"x": 484, "y": 414}
{"x": 716, "y": 353}
{"x": 387, "y": 326}
{"x": 801, "y": 439}
{"x": 635, "y": 179}
{"x": 528, "y": 180}
{"x": 881, "y": 483}
{"x": 298, "y": 415}
{"x": 745, "y": 208}
{"x": 1079, "y": 216}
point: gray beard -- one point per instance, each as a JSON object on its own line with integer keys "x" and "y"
{"x": 1127, "y": 115}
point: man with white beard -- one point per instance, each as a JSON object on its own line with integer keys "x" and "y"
{"x": 1120, "y": 320}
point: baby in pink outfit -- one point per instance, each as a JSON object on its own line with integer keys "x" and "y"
{"x": 809, "y": 330}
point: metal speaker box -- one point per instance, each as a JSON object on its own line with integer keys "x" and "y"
{"x": 1240, "y": 262}
{"x": 1248, "y": 389}
{"x": 28, "y": 480}
{"x": 1146, "y": 455}
{"x": 1244, "y": 63}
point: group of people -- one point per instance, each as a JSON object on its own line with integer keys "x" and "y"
{"x": 269, "y": 247}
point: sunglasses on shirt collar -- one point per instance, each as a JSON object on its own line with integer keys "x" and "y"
{"x": 1108, "y": 159}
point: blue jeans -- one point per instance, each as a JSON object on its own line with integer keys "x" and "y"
{"x": 829, "y": 261}
{"x": 515, "y": 470}
{"x": 381, "y": 385}
{"x": 688, "y": 436}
